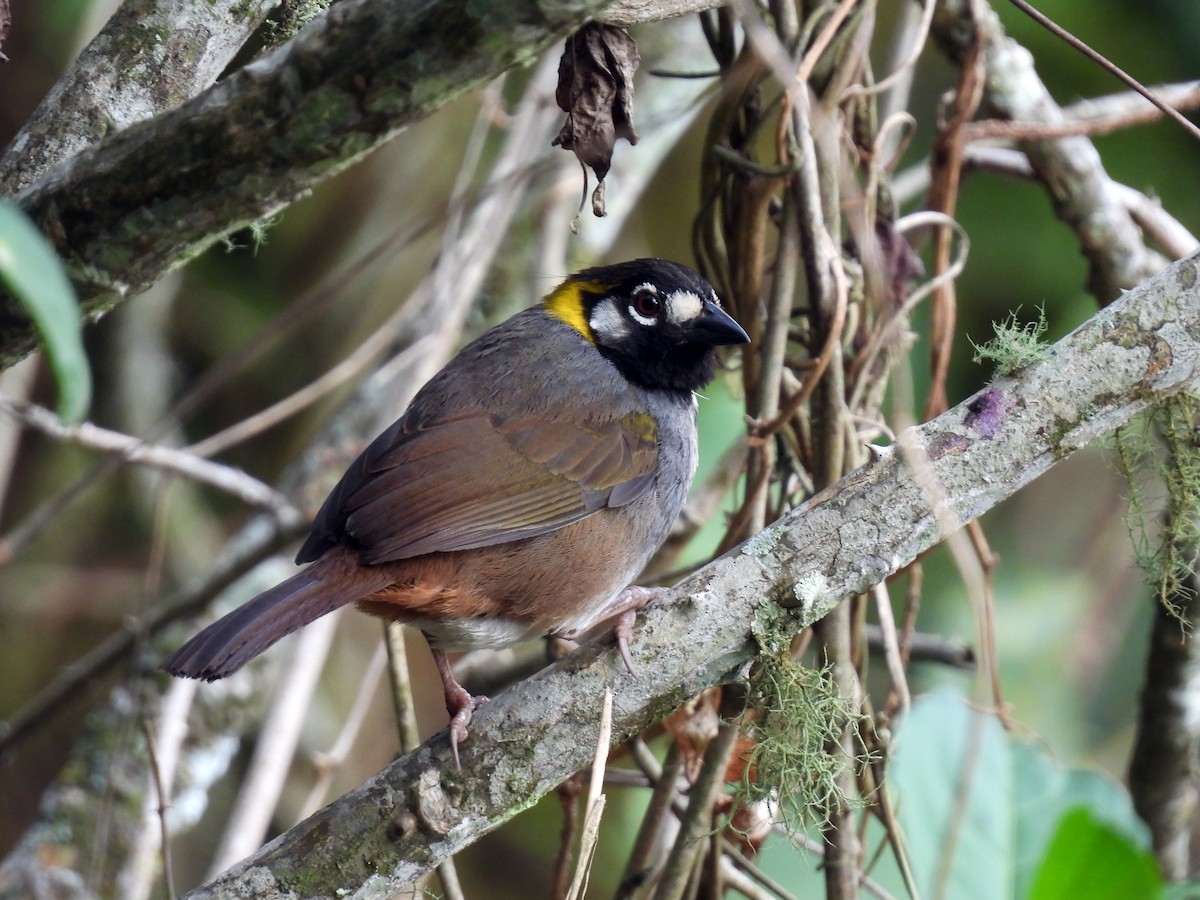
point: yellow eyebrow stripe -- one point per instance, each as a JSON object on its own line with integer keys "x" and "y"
{"x": 565, "y": 303}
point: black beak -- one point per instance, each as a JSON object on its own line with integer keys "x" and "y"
{"x": 715, "y": 327}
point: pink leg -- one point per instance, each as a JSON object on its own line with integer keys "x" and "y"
{"x": 459, "y": 703}
{"x": 624, "y": 609}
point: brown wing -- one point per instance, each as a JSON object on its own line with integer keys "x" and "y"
{"x": 477, "y": 481}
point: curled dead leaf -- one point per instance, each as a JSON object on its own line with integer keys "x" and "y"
{"x": 595, "y": 89}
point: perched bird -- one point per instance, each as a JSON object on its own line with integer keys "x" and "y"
{"x": 522, "y": 491}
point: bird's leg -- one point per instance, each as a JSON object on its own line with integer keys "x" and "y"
{"x": 623, "y": 608}
{"x": 459, "y": 703}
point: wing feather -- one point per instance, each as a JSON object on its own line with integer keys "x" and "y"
{"x": 477, "y": 480}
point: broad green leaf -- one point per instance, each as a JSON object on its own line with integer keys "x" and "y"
{"x": 980, "y": 810}
{"x": 1048, "y": 792}
{"x": 951, "y": 781}
{"x": 35, "y": 277}
{"x": 1089, "y": 858}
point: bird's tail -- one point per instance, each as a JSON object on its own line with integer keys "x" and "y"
{"x": 233, "y": 640}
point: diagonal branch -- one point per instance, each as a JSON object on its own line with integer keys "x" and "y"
{"x": 1070, "y": 168}
{"x": 386, "y": 833}
{"x": 151, "y": 55}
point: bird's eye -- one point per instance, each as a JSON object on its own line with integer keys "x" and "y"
{"x": 646, "y": 304}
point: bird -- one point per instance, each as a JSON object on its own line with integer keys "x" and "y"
{"x": 521, "y": 492}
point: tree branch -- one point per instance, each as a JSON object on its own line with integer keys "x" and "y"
{"x": 405, "y": 820}
{"x": 1069, "y": 167}
{"x": 144, "y": 201}
{"x": 150, "y": 56}
{"x": 169, "y": 459}
{"x": 130, "y": 209}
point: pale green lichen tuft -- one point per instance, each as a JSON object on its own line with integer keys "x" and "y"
{"x": 1015, "y": 345}
{"x": 794, "y": 764}
{"x": 1159, "y": 455}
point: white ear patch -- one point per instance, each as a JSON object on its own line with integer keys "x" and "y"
{"x": 607, "y": 322}
{"x": 683, "y": 306}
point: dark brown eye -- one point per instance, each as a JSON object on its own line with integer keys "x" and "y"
{"x": 646, "y": 304}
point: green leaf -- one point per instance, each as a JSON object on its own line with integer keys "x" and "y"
{"x": 32, "y": 272}
{"x": 1048, "y": 793}
{"x": 1089, "y": 858}
{"x": 951, "y": 780}
{"x": 981, "y": 812}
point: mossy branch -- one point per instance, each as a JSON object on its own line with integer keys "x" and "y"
{"x": 149, "y": 57}
{"x": 126, "y": 211}
{"x": 401, "y": 823}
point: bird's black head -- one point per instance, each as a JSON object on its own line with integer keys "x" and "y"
{"x": 655, "y": 320}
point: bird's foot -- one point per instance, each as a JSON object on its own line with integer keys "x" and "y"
{"x": 460, "y": 703}
{"x": 622, "y": 612}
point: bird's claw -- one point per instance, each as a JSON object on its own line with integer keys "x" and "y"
{"x": 622, "y": 632}
{"x": 461, "y": 707}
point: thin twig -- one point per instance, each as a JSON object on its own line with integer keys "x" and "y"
{"x": 891, "y": 645}
{"x": 160, "y": 791}
{"x": 400, "y": 681}
{"x": 822, "y": 41}
{"x": 595, "y": 802}
{"x": 904, "y": 66}
{"x": 1107, "y": 64}
{"x": 131, "y": 449}
{"x": 986, "y": 610}
{"x": 945, "y": 181}
{"x": 1005, "y": 129}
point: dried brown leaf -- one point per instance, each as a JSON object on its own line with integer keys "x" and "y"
{"x": 694, "y": 726}
{"x": 595, "y": 89}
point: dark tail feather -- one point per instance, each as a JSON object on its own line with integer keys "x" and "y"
{"x": 232, "y": 641}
